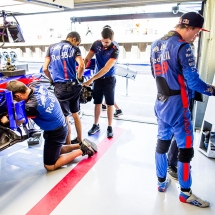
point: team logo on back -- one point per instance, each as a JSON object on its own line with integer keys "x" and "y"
{"x": 57, "y": 47}
{"x": 156, "y": 49}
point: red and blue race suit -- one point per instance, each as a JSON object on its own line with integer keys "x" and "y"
{"x": 173, "y": 66}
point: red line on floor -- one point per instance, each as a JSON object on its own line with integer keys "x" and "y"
{"x": 51, "y": 200}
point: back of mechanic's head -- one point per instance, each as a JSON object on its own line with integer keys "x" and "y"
{"x": 107, "y": 32}
{"x": 74, "y": 34}
{"x": 16, "y": 87}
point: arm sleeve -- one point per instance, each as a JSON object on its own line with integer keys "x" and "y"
{"x": 115, "y": 54}
{"x": 48, "y": 52}
{"x": 93, "y": 47}
{"x": 151, "y": 64}
{"x": 77, "y": 52}
{"x": 190, "y": 72}
{"x": 31, "y": 108}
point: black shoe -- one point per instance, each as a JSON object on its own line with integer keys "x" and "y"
{"x": 88, "y": 148}
{"x": 92, "y": 144}
{"x": 75, "y": 141}
{"x": 94, "y": 129}
{"x": 172, "y": 172}
{"x": 118, "y": 113}
{"x": 104, "y": 107}
{"x": 109, "y": 132}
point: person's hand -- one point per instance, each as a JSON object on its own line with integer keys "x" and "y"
{"x": 81, "y": 80}
{"x": 88, "y": 83}
{"x": 4, "y": 120}
{"x": 52, "y": 82}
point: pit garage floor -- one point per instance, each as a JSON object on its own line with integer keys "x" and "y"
{"x": 119, "y": 180}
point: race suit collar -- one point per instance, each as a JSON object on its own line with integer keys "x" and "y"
{"x": 171, "y": 34}
{"x": 65, "y": 41}
{"x": 109, "y": 47}
{"x": 30, "y": 94}
{"x": 175, "y": 33}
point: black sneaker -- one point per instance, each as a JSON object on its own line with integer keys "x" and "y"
{"x": 109, "y": 132}
{"x": 75, "y": 141}
{"x": 104, "y": 107}
{"x": 118, "y": 113}
{"x": 94, "y": 129}
{"x": 172, "y": 172}
{"x": 92, "y": 144}
{"x": 88, "y": 148}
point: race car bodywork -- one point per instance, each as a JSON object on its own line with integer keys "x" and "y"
{"x": 12, "y": 133}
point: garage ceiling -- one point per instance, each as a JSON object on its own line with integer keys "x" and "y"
{"x": 80, "y": 4}
{"x": 22, "y": 7}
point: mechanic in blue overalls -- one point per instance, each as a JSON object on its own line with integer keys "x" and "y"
{"x": 106, "y": 52}
{"x": 45, "y": 110}
{"x": 62, "y": 58}
{"x": 173, "y": 65}
{"x": 172, "y": 155}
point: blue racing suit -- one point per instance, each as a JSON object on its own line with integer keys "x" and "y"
{"x": 173, "y": 66}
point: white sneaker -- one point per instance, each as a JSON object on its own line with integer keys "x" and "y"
{"x": 188, "y": 197}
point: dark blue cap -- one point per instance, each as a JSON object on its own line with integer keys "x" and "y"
{"x": 193, "y": 19}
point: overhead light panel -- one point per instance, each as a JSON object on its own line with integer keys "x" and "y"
{"x": 23, "y": 6}
{"x": 63, "y": 3}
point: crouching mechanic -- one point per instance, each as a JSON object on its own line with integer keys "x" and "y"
{"x": 45, "y": 109}
{"x": 173, "y": 66}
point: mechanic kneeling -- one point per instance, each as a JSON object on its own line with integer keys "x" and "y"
{"x": 45, "y": 109}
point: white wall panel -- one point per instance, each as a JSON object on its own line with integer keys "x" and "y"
{"x": 206, "y": 56}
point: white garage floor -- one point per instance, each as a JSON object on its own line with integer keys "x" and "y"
{"x": 119, "y": 180}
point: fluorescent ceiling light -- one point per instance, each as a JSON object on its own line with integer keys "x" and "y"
{"x": 64, "y": 3}
{"x": 8, "y": 3}
{"x": 27, "y": 7}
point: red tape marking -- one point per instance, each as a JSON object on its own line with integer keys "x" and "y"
{"x": 51, "y": 200}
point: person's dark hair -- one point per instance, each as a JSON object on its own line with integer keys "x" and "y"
{"x": 182, "y": 26}
{"x": 107, "y": 32}
{"x": 74, "y": 34}
{"x": 16, "y": 87}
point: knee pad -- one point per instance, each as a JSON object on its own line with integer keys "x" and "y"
{"x": 185, "y": 155}
{"x": 163, "y": 146}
